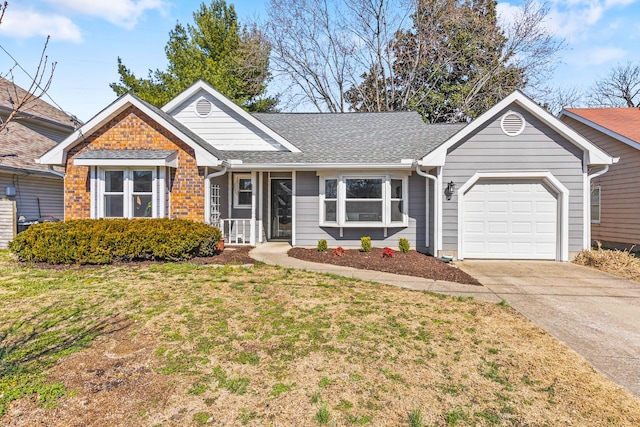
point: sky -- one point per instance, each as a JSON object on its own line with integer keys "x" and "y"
{"x": 87, "y": 37}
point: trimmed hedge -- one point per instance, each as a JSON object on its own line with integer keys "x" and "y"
{"x": 102, "y": 241}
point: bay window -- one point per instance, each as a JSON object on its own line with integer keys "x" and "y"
{"x": 363, "y": 201}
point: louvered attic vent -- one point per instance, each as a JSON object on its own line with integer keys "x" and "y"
{"x": 512, "y": 123}
{"x": 203, "y": 107}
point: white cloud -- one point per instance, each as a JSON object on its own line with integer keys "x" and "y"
{"x": 601, "y": 55}
{"x": 123, "y": 13}
{"x": 28, "y": 23}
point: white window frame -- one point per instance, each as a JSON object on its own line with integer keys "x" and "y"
{"x": 127, "y": 192}
{"x": 341, "y": 220}
{"x": 236, "y": 190}
{"x": 597, "y": 188}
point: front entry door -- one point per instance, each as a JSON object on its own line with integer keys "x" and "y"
{"x": 281, "y": 190}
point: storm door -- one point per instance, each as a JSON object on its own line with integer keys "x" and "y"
{"x": 281, "y": 211}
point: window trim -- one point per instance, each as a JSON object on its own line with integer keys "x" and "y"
{"x": 236, "y": 190}
{"x": 127, "y": 193}
{"x": 341, "y": 200}
{"x": 599, "y": 204}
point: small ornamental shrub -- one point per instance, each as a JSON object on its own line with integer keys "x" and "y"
{"x": 322, "y": 245}
{"x": 404, "y": 246}
{"x": 387, "y": 253}
{"x": 339, "y": 251}
{"x": 102, "y": 241}
{"x": 365, "y": 243}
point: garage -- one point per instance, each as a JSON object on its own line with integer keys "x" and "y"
{"x": 510, "y": 219}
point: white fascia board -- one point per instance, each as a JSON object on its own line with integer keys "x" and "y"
{"x": 57, "y": 155}
{"x": 596, "y": 155}
{"x": 202, "y": 85}
{"x": 317, "y": 166}
{"x": 604, "y": 130}
{"x": 435, "y": 158}
{"x": 124, "y": 162}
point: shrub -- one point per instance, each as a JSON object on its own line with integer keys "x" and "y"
{"x": 403, "y": 244}
{"x": 103, "y": 241}
{"x": 365, "y": 243}
{"x": 339, "y": 251}
{"x": 322, "y": 245}
{"x": 387, "y": 253}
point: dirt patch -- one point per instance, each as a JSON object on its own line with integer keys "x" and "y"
{"x": 411, "y": 263}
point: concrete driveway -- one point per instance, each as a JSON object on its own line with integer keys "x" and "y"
{"x": 594, "y": 313}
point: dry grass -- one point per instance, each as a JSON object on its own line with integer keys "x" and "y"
{"x": 185, "y": 344}
{"x": 613, "y": 261}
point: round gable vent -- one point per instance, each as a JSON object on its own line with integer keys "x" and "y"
{"x": 512, "y": 123}
{"x": 203, "y": 107}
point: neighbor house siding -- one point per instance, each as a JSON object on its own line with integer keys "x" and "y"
{"x": 537, "y": 148}
{"x": 308, "y": 231}
{"x": 32, "y": 190}
{"x": 223, "y": 128}
{"x": 619, "y": 196}
{"x": 134, "y": 130}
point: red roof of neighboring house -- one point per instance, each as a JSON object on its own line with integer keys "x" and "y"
{"x": 623, "y": 121}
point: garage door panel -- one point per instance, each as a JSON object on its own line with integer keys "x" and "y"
{"x": 506, "y": 220}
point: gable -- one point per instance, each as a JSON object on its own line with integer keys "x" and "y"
{"x": 221, "y": 127}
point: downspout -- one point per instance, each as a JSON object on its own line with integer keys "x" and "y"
{"x": 207, "y": 192}
{"x": 588, "y": 224}
{"x": 435, "y": 209}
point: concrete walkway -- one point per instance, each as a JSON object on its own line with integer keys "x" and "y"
{"x": 595, "y": 313}
{"x": 275, "y": 253}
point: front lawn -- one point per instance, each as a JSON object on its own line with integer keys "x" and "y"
{"x": 191, "y": 344}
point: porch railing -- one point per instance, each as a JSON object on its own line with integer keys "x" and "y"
{"x": 236, "y": 231}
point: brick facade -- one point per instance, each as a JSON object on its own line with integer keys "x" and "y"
{"x": 134, "y": 130}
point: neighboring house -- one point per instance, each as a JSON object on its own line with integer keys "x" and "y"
{"x": 28, "y": 189}
{"x": 512, "y": 184}
{"x": 615, "y": 199}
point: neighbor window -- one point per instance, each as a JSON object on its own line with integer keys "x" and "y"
{"x": 362, "y": 201}
{"x": 595, "y": 204}
{"x": 127, "y": 193}
{"x": 242, "y": 190}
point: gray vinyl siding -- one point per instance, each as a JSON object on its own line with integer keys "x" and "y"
{"x": 223, "y": 128}
{"x": 308, "y": 230}
{"x": 32, "y": 190}
{"x": 619, "y": 196}
{"x": 537, "y": 148}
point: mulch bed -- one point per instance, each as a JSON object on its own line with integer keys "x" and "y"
{"x": 411, "y": 263}
{"x": 230, "y": 255}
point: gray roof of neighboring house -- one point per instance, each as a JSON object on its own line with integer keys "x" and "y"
{"x": 36, "y": 129}
{"x": 349, "y": 138}
{"x": 126, "y": 154}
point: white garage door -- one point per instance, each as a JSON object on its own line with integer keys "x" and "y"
{"x": 510, "y": 220}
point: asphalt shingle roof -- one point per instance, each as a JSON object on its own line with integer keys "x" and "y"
{"x": 349, "y": 138}
{"x": 126, "y": 154}
{"x": 623, "y": 121}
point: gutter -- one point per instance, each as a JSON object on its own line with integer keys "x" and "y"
{"x": 436, "y": 209}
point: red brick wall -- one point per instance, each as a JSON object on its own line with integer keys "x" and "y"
{"x": 134, "y": 130}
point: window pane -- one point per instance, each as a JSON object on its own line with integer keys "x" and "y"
{"x": 396, "y": 189}
{"x": 330, "y": 211}
{"x": 113, "y": 206}
{"x": 595, "y": 196}
{"x": 142, "y": 181}
{"x": 113, "y": 181}
{"x": 244, "y": 198}
{"x": 364, "y": 211}
{"x": 244, "y": 184}
{"x": 595, "y": 213}
{"x": 396, "y": 211}
{"x": 364, "y": 188}
{"x": 331, "y": 189}
{"x": 142, "y": 206}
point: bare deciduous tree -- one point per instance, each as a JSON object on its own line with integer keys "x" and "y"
{"x": 620, "y": 88}
{"x": 39, "y": 83}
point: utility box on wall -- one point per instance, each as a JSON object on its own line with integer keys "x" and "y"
{"x": 8, "y": 222}
{"x": 10, "y": 191}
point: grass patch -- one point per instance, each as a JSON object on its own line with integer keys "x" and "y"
{"x": 267, "y": 346}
